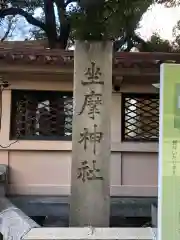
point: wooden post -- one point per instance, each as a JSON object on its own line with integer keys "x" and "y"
{"x": 90, "y": 191}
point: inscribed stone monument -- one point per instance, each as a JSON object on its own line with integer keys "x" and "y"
{"x": 90, "y": 200}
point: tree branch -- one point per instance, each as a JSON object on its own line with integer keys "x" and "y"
{"x": 7, "y": 31}
{"x": 130, "y": 45}
{"x": 141, "y": 41}
{"x": 117, "y": 45}
{"x": 69, "y": 1}
{"x": 138, "y": 39}
{"x": 29, "y": 18}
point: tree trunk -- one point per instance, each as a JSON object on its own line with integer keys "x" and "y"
{"x": 50, "y": 23}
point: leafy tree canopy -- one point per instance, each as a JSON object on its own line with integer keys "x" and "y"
{"x": 64, "y": 20}
{"x": 157, "y": 44}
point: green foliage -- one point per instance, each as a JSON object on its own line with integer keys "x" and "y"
{"x": 101, "y": 20}
{"x": 114, "y": 19}
{"x": 176, "y": 33}
{"x": 157, "y": 44}
{"x": 29, "y": 5}
{"x": 169, "y": 3}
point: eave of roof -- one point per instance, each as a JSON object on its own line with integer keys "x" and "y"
{"x": 35, "y": 53}
{"x": 62, "y": 57}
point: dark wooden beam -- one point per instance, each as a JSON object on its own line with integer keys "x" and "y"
{"x": 59, "y": 206}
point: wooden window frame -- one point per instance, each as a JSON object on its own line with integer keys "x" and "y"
{"x": 40, "y": 137}
{"x": 123, "y": 127}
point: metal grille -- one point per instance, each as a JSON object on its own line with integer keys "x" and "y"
{"x": 45, "y": 115}
{"x": 140, "y": 117}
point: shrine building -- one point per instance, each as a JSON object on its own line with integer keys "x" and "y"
{"x": 36, "y": 127}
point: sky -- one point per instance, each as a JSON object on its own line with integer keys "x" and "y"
{"x": 157, "y": 19}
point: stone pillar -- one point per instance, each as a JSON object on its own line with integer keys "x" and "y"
{"x": 91, "y": 145}
{"x": 154, "y": 215}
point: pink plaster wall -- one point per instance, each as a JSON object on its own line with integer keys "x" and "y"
{"x": 41, "y": 172}
{"x": 43, "y": 168}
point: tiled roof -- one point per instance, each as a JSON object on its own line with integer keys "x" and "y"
{"x": 30, "y": 53}
{"x": 36, "y": 56}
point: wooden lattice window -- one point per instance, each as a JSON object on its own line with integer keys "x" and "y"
{"x": 44, "y": 115}
{"x": 140, "y": 117}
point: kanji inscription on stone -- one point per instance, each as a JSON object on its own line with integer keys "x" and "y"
{"x": 86, "y": 172}
{"x": 92, "y": 137}
{"x": 92, "y": 101}
{"x": 93, "y": 75}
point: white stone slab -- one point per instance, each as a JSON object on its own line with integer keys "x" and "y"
{"x": 90, "y": 233}
{"x": 14, "y": 224}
